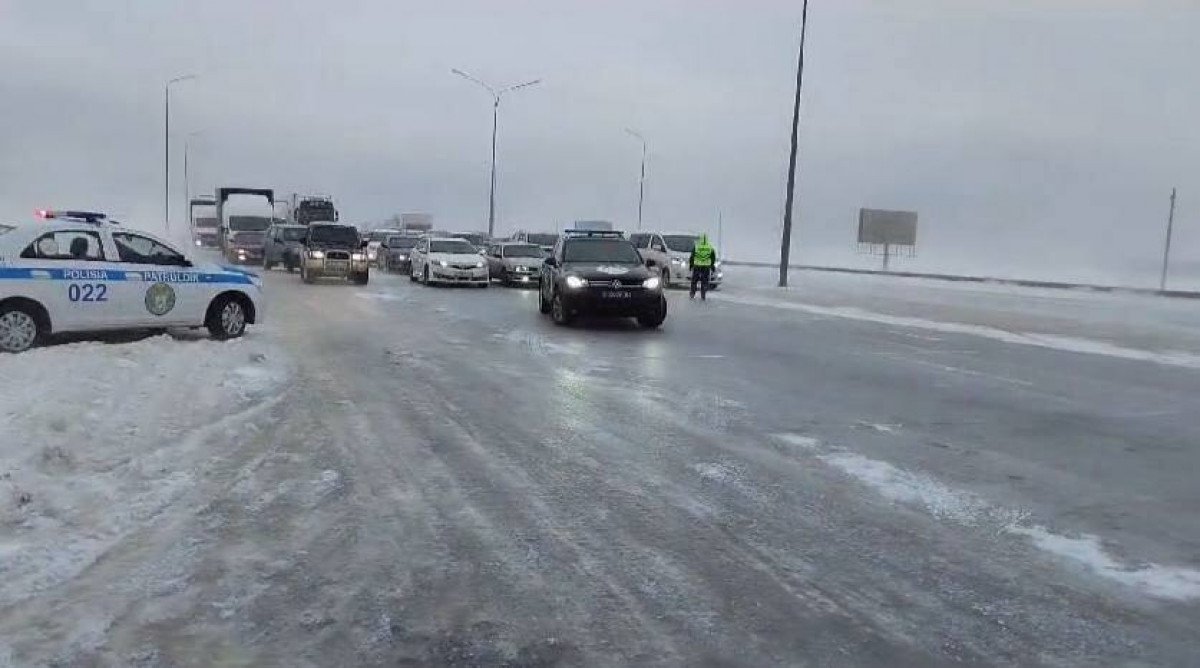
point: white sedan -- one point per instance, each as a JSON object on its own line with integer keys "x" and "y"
{"x": 75, "y": 272}
{"x": 437, "y": 260}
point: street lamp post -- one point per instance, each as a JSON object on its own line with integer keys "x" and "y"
{"x": 496, "y": 95}
{"x": 167, "y": 146}
{"x": 642, "y": 179}
{"x": 187, "y": 183}
{"x": 785, "y": 246}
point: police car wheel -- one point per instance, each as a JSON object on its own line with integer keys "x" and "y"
{"x": 19, "y": 329}
{"x": 543, "y": 305}
{"x": 226, "y": 319}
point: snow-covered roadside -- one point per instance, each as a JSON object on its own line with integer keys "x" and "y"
{"x": 1117, "y": 324}
{"x": 98, "y": 439}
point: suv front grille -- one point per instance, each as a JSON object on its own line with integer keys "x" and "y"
{"x": 337, "y": 255}
{"x": 615, "y": 284}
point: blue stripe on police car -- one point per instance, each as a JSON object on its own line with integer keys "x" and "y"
{"x": 55, "y": 274}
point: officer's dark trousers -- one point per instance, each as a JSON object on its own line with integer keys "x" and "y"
{"x": 700, "y": 276}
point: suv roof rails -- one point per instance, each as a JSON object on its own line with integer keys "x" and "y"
{"x": 599, "y": 234}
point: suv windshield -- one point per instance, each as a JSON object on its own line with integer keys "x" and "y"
{"x": 401, "y": 242}
{"x": 333, "y": 234}
{"x": 249, "y": 223}
{"x": 615, "y": 251}
{"x": 680, "y": 243}
{"x": 524, "y": 250}
{"x": 542, "y": 239}
{"x": 294, "y": 233}
{"x": 457, "y": 246}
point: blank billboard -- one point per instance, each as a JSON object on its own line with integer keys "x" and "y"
{"x": 894, "y": 228}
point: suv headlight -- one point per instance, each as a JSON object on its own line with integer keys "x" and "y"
{"x": 317, "y": 255}
{"x": 479, "y": 265}
{"x": 357, "y": 257}
{"x": 575, "y": 282}
{"x": 652, "y": 283}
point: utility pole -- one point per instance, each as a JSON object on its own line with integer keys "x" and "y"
{"x": 720, "y": 232}
{"x": 187, "y": 182}
{"x": 1162, "y": 284}
{"x": 167, "y": 147}
{"x": 785, "y": 247}
{"x": 642, "y": 179}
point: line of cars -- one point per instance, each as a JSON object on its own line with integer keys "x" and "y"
{"x": 580, "y": 272}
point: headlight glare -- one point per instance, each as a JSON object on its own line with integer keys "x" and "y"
{"x": 574, "y": 282}
{"x": 317, "y": 255}
{"x": 652, "y": 283}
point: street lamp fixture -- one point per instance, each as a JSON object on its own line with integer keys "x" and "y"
{"x": 496, "y": 94}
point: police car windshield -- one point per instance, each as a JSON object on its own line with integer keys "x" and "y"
{"x": 680, "y": 243}
{"x": 614, "y": 251}
{"x": 333, "y": 234}
{"x": 249, "y": 223}
{"x": 452, "y": 246}
{"x": 401, "y": 242}
{"x": 523, "y": 251}
{"x": 542, "y": 239}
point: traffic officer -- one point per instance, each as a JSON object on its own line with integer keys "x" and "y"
{"x": 702, "y": 261}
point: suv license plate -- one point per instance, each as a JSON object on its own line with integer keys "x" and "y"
{"x": 615, "y": 294}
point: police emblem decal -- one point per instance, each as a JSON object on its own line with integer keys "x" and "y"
{"x": 160, "y": 299}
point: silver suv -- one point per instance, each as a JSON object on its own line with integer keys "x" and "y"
{"x": 670, "y": 253}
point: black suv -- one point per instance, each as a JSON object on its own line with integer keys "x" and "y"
{"x": 600, "y": 273}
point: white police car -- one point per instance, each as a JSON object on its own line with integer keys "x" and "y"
{"x": 77, "y": 272}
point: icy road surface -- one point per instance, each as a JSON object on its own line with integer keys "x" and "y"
{"x": 397, "y": 475}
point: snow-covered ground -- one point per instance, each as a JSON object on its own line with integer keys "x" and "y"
{"x": 97, "y": 439}
{"x": 1135, "y": 326}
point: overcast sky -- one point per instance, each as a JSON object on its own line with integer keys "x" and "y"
{"x": 1034, "y": 137}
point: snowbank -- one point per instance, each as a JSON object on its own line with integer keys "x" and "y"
{"x": 97, "y": 439}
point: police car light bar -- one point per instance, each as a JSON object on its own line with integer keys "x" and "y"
{"x": 73, "y": 216}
